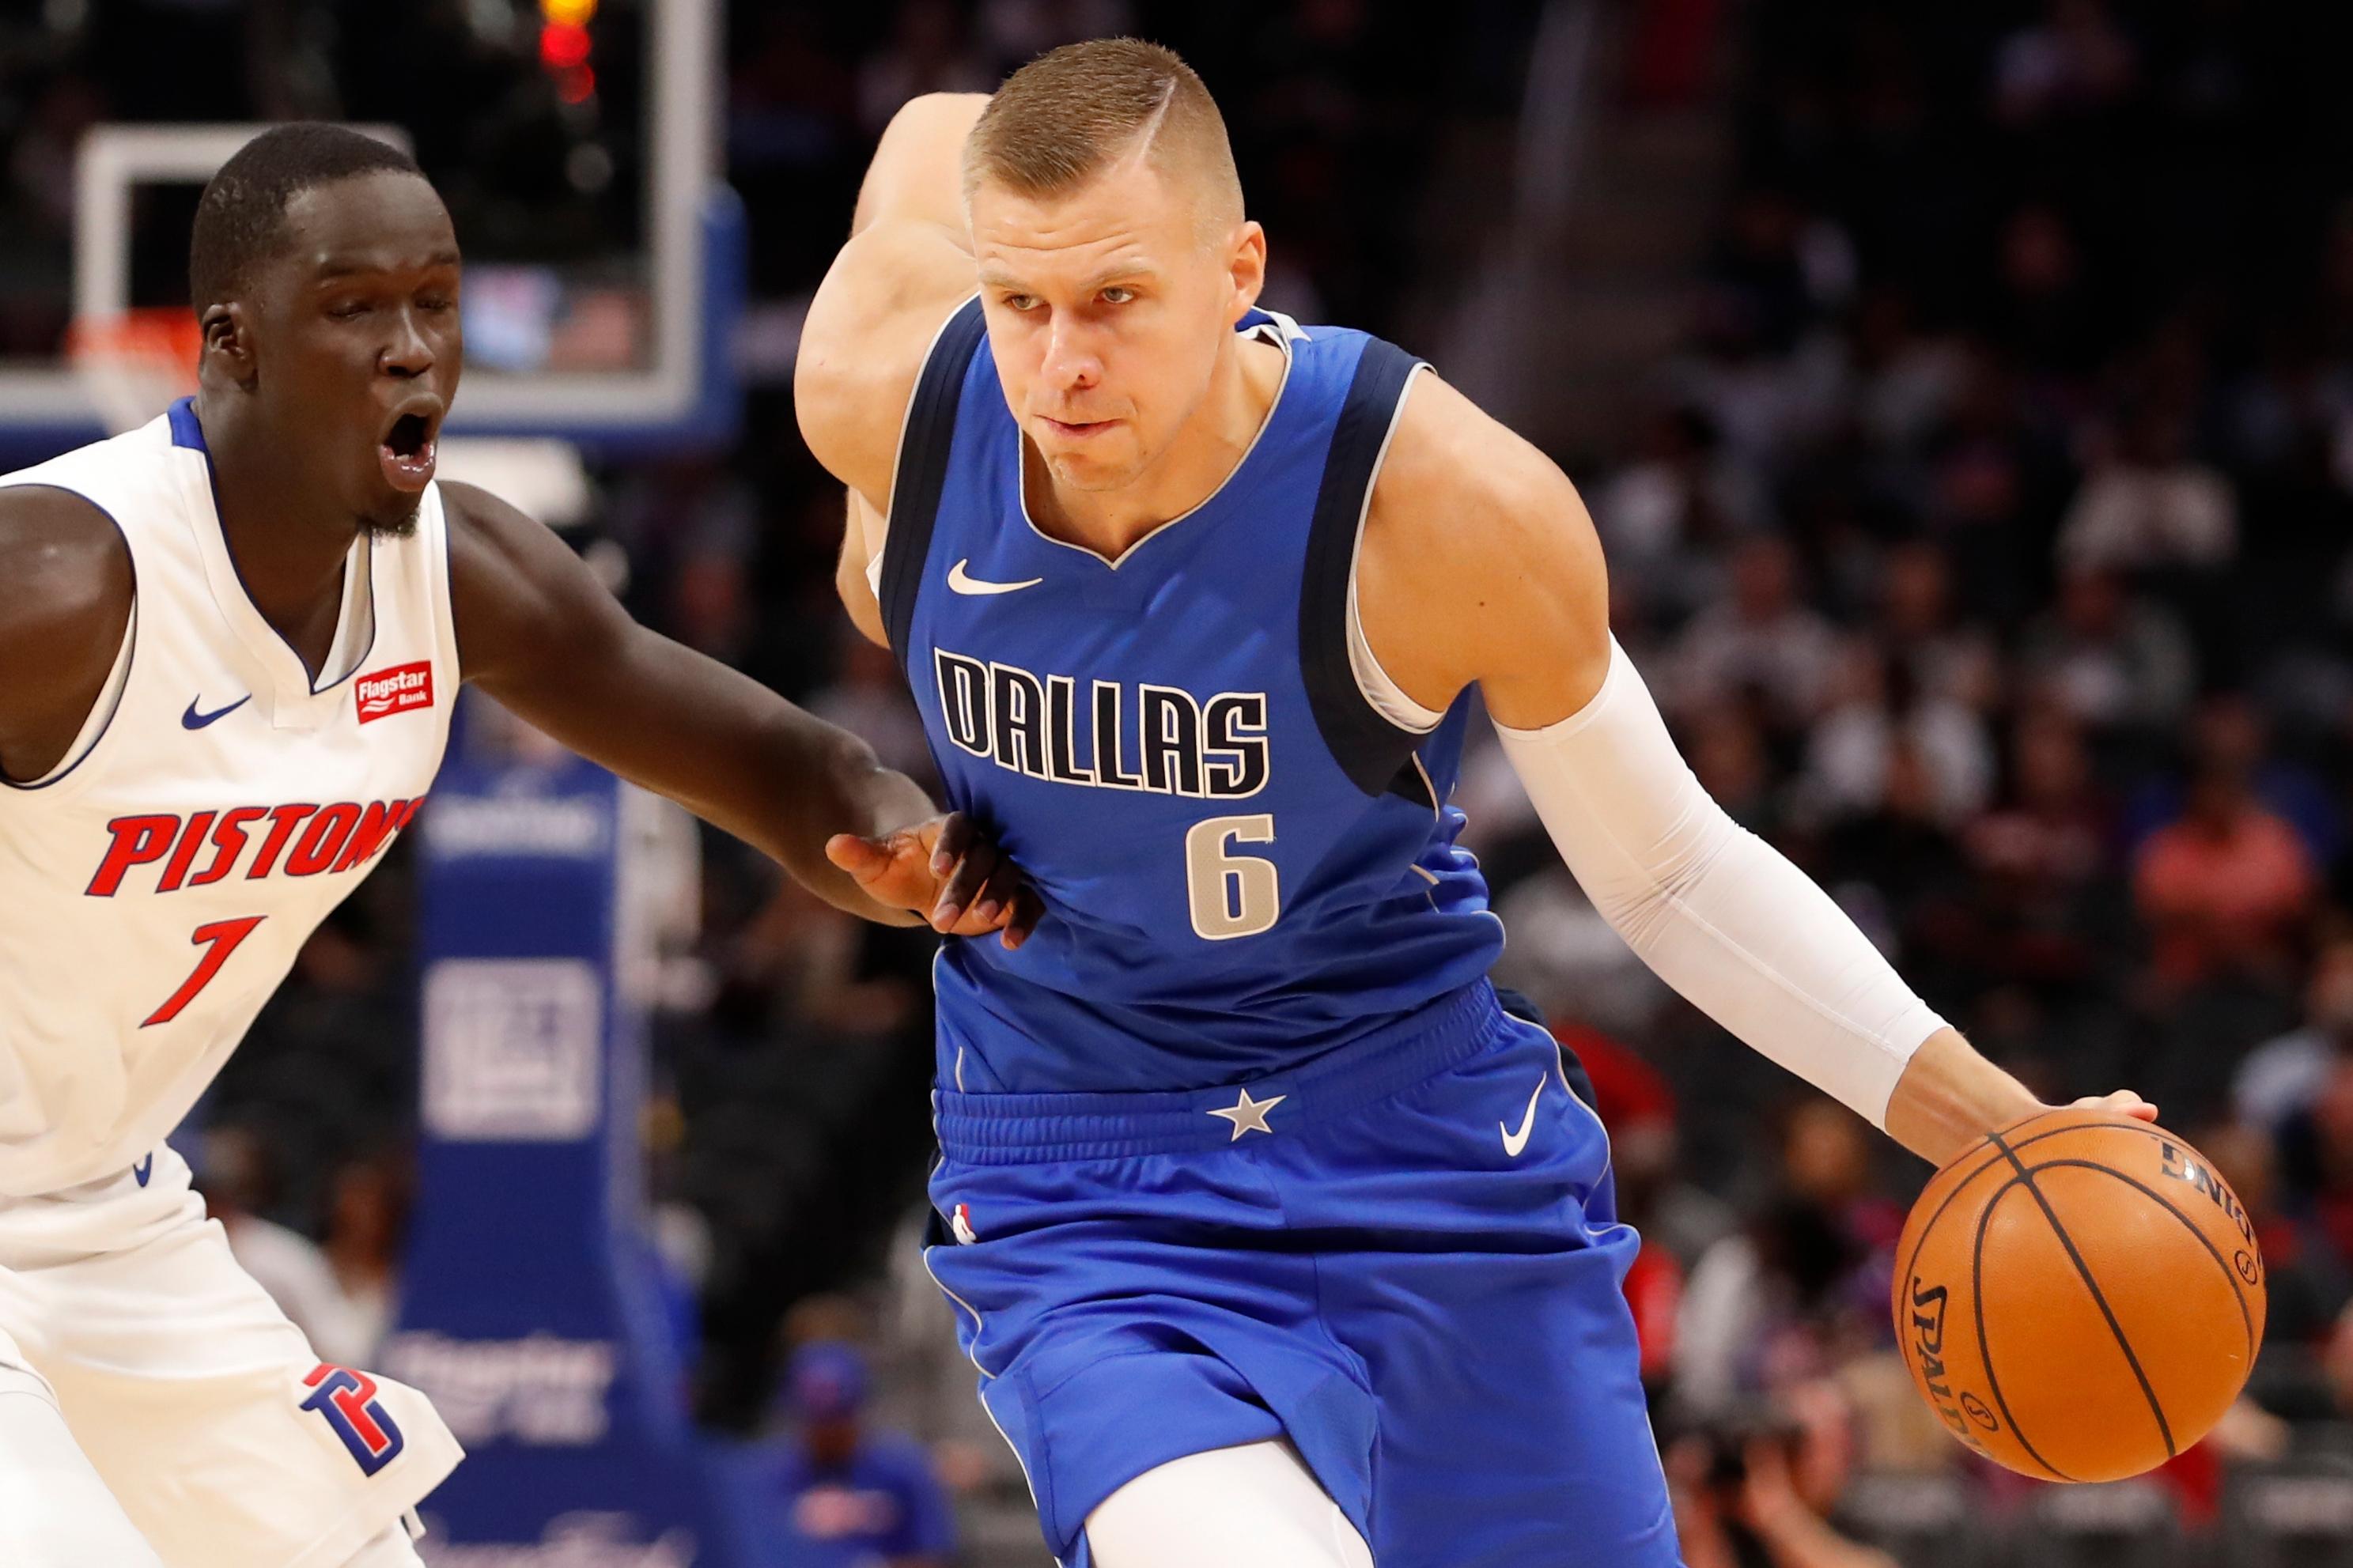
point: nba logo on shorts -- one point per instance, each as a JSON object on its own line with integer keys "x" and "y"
{"x": 347, "y": 1401}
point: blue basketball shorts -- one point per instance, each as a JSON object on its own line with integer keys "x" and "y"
{"x": 1405, "y": 1258}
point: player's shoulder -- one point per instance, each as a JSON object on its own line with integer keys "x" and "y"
{"x": 1477, "y": 556}
{"x": 71, "y": 582}
{"x": 863, "y": 343}
{"x": 474, "y": 517}
{"x": 497, "y": 550}
{"x": 1457, "y": 479}
{"x": 521, "y": 599}
{"x": 63, "y": 557}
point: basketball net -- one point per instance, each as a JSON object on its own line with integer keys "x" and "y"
{"x": 136, "y": 364}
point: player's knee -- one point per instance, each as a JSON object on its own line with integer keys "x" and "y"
{"x": 393, "y": 1549}
{"x": 1255, "y": 1506}
{"x": 55, "y": 1511}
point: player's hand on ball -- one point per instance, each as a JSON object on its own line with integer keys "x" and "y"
{"x": 948, "y": 871}
{"x": 2123, "y": 1102}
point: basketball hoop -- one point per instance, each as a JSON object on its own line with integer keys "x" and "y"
{"x": 134, "y": 366}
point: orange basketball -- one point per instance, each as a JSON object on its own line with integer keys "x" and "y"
{"x": 2079, "y": 1296}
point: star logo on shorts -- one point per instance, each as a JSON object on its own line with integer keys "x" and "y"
{"x": 1249, "y": 1115}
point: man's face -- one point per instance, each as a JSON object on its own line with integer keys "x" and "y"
{"x": 1107, "y": 309}
{"x": 355, "y": 341}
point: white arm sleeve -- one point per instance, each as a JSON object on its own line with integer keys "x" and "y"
{"x": 1722, "y": 916}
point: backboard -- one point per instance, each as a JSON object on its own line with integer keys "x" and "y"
{"x": 575, "y": 140}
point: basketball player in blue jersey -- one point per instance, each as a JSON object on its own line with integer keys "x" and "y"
{"x": 1277, "y": 1241}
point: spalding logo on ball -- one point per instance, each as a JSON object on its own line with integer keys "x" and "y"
{"x": 2080, "y": 1296}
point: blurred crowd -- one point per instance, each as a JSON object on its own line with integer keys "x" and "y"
{"x": 1985, "y": 545}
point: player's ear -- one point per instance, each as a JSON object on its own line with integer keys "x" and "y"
{"x": 1246, "y": 265}
{"x": 228, "y": 340}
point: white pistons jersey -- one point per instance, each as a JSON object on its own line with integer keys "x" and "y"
{"x": 156, "y": 885}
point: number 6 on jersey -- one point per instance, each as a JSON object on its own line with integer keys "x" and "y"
{"x": 1232, "y": 895}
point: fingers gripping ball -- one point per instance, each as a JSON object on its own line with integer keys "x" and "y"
{"x": 2079, "y": 1296}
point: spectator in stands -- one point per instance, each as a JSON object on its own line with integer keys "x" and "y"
{"x": 2307, "y": 1283}
{"x": 1728, "y": 752}
{"x": 2315, "y": 1148}
{"x": 2148, "y": 505}
{"x": 368, "y": 1225}
{"x": 2075, "y": 61}
{"x": 1757, "y": 1490}
{"x": 1662, "y": 515}
{"x": 237, "y": 1176}
{"x": 846, "y": 1496}
{"x": 1946, "y": 658}
{"x": 869, "y": 698}
{"x": 2048, "y": 885}
{"x": 2108, "y": 658}
{"x": 1770, "y": 1305}
{"x": 1762, "y": 637}
{"x": 2226, "y": 890}
{"x": 2279, "y": 1078}
{"x": 928, "y": 52}
{"x": 1897, "y": 869}
{"x": 1878, "y": 711}
{"x": 2228, "y": 732}
{"x": 2045, "y": 311}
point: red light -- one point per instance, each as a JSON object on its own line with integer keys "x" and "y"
{"x": 577, "y": 85}
{"x": 563, "y": 47}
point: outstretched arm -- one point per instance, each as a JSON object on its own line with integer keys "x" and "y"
{"x": 537, "y": 631}
{"x": 1480, "y": 564}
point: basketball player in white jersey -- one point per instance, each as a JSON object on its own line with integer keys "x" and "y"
{"x": 1092, "y": 207}
{"x": 229, "y": 642}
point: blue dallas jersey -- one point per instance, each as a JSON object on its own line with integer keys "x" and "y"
{"x": 1246, "y": 865}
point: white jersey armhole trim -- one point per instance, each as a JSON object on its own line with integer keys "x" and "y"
{"x": 1386, "y": 696}
{"x": 103, "y": 711}
{"x": 875, "y": 544}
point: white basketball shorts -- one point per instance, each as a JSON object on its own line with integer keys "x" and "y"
{"x": 202, "y": 1408}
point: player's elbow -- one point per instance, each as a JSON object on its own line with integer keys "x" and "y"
{"x": 821, "y": 370}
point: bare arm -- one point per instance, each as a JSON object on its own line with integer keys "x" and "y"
{"x": 538, "y": 632}
{"x": 917, "y": 174}
{"x": 62, "y": 617}
{"x": 1480, "y": 564}
{"x": 908, "y": 264}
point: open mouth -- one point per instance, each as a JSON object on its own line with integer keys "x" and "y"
{"x": 407, "y": 451}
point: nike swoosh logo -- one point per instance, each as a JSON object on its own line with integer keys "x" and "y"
{"x": 1515, "y": 1141}
{"x": 145, "y": 1169}
{"x": 964, "y": 583}
{"x": 191, "y": 720}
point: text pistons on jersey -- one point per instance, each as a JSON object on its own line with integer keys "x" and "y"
{"x": 1159, "y": 739}
{"x": 302, "y": 840}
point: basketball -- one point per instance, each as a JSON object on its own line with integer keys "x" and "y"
{"x": 2079, "y": 1296}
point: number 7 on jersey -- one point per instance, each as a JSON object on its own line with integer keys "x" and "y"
{"x": 218, "y": 940}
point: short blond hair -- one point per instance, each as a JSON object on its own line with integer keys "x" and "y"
{"x": 1072, "y": 111}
